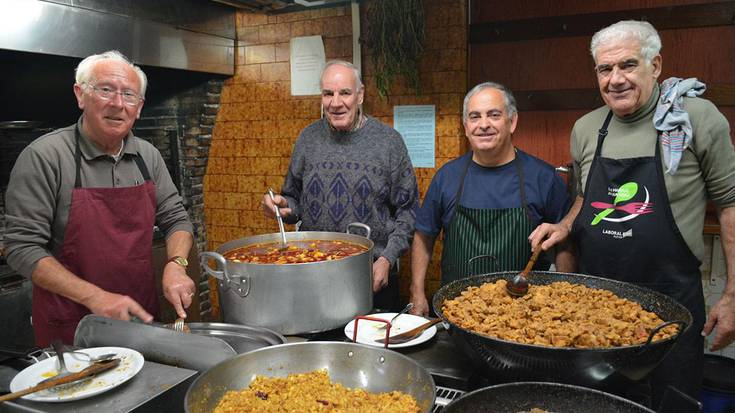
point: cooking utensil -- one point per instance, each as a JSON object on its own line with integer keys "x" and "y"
{"x": 85, "y": 374}
{"x": 58, "y": 348}
{"x": 295, "y": 298}
{"x": 179, "y": 325}
{"x": 352, "y": 365}
{"x": 156, "y": 343}
{"x": 279, "y": 218}
{"x": 518, "y": 286}
{"x": 511, "y": 361}
{"x": 406, "y": 309}
{"x": 89, "y": 359}
{"x": 410, "y": 334}
{"x": 552, "y": 397}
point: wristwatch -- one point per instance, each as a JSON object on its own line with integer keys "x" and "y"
{"x": 179, "y": 260}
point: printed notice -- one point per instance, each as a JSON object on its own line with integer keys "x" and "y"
{"x": 417, "y": 125}
{"x": 307, "y": 62}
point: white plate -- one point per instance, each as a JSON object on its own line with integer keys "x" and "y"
{"x": 368, "y": 330}
{"x": 130, "y": 364}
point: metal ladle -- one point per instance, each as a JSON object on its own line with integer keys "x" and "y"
{"x": 279, "y": 219}
{"x": 518, "y": 286}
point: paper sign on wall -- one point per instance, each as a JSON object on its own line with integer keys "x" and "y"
{"x": 417, "y": 125}
{"x": 307, "y": 62}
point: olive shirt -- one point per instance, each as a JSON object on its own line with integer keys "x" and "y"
{"x": 707, "y": 168}
{"x": 38, "y": 197}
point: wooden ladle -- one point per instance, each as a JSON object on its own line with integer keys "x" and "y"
{"x": 518, "y": 286}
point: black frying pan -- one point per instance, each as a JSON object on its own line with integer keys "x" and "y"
{"x": 552, "y": 397}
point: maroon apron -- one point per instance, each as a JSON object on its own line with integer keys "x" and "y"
{"x": 108, "y": 242}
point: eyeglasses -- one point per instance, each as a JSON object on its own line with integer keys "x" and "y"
{"x": 107, "y": 93}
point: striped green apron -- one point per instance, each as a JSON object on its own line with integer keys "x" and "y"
{"x": 501, "y": 234}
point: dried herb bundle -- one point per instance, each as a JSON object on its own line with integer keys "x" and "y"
{"x": 395, "y": 36}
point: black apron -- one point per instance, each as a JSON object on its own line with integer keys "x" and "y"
{"x": 617, "y": 241}
{"x": 498, "y": 233}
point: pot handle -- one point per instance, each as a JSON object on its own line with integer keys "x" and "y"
{"x": 682, "y": 327}
{"x": 359, "y": 225}
{"x": 240, "y": 284}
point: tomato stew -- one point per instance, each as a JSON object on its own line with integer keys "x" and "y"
{"x": 296, "y": 253}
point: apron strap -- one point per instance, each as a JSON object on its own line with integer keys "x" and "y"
{"x": 522, "y": 189}
{"x": 141, "y": 165}
{"x": 78, "y": 162}
{"x": 602, "y": 133}
{"x": 458, "y": 195}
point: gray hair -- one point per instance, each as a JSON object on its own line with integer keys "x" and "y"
{"x": 346, "y": 64}
{"x": 510, "y": 100}
{"x": 643, "y": 32}
{"x": 84, "y": 70}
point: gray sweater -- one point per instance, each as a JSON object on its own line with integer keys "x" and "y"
{"x": 336, "y": 178}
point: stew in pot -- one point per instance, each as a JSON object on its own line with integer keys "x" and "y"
{"x": 296, "y": 252}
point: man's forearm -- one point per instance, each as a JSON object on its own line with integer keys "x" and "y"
{"x": 420, "y": 257}
{"x": 727, "y": 237}
{"x": 54, "y": 277}
{"x": 568, "y": 220}
{"x": 179, "y": 244}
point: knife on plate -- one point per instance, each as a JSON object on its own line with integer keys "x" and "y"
{"x": 88, "y": 372}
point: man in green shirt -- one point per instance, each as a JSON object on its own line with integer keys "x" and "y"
{"x": 644, "y": 187}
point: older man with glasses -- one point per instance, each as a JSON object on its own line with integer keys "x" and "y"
{"x": 81, "y": 205}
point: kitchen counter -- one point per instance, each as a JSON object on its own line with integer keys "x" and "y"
{"x": 157, "y": 388}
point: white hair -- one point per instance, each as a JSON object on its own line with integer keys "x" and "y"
{"x": 84, "y": 70}
{"x": 643, "y": 32}
{"x": 510, "y": 100}
{"x": 346, "y": 64}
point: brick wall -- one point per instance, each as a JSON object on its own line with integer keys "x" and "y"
{"x": 180, "y": 126}
{"x": 259, "y": 120}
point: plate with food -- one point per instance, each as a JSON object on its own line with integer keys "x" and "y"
{"x": 368, "y": 331}
{"x": 131, "y": 362}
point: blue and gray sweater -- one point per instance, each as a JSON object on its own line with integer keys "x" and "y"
{"x": 336, "y": 178}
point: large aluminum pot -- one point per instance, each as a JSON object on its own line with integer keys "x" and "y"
{"x": 295, "y": 298}
{"x": 352, "y": 365}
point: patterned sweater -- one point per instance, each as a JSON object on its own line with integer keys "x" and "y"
{"x": 336, "y": 178}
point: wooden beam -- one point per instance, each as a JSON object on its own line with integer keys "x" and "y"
{"x": 662, "y": 18}
{"x": 570, "y": 99}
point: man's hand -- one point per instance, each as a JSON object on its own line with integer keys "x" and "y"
{"x": 722, "y": 316}
{"x": 269, "y": 208}
{"x": 178, "y": 288}
{"x": 420, "y": 303}
{"x": 548, "y": 235}
{"x": 381, "y": 268}
{"x": 117, "y": 306}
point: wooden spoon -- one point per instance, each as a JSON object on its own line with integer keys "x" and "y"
{"x": 87, "y": 373}
{"x": 518, "y": 286}
{"x": 410, "y": 334}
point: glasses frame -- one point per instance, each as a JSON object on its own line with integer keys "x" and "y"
{"x": 109, "y": 95}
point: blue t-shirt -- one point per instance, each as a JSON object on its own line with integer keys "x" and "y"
{"x": 493, "y": 188}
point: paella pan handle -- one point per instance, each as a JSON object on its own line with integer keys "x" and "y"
{"x": 682, "y": 327}
{"x": 359, "y": 225}
{"x": 479, "y": 257}
{"x": 240, "y": 284}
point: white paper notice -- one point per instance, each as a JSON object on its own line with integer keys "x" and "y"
{"x": 307, "y": 62}
{"x": 417, "y": 125}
